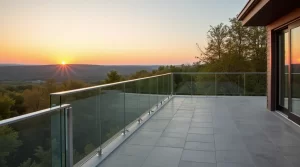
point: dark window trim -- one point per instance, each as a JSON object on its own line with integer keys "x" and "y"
{"x": 287, "y": 27}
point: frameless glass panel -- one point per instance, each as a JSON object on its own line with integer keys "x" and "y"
{"x": 295, "y": 69}
{"x": 35, "y": 141}
{"x": 230, "y": 84}
{"x": 161, "y": 88}
{"x": 283, "y": 69}
{"x": 255, "y": 84}
{"x": 132, "y": 111}
{"x": 86, "y": 123}
{"x": 154, "y": 92}
{"x": 144, "y": 95}
{"x": 168, "y": 85}
{"x": 112, "y": 103}
{"x": 203, "y": 84}
{"x": 182, "y": 84}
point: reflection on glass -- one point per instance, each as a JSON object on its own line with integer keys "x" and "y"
{"x": 33, "y": 142}
{"x": 86, "y": 117}
{"x": 295, "y": 69}
{"x": 283, "y": 69}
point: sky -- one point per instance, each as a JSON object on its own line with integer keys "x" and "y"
{"x": 108, "y": 32}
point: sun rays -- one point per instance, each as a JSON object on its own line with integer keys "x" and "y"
{"x": 64, "y": 70}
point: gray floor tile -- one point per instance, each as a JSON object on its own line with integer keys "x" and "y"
{"x": 293, "y": 159}
{"x": 200, "y": 138}
{"x": 180, "y": 119}
{"x": 285, "y": 140}
{"x": 145, "y": 138}
{"x": 199, "y": 146}
{"x": 201, "y": 125}
{"x": 199, "y": 156}
{"x": 228, "y": 138}
{"x": 184, "y": 112}
{"x": 171, "y": 142}
{"x": 186, "y": 108}
{"x": 174, "y": 134}
{"x": 202, "y": 119}
{"x": 275, "y": 160}
{"x": 179, "y": 128}
{"x": 234, "y": 157}
{"x": 263, "y": 149}
{"x": 290, "y": 150}
{"x": 196, "y": 164}
{"x": 226, "y": 130}
{"x": 243, "y": 136}
{"x": 163, "y": 157}
{"x": 234, "y": 165}
{"x": 123, "y": 161}
{"x": 135, "y": 150}
{"x": 183, "y": 115}
{"x": 204, "y": 131}
{"x": 201, "y": 114}
{"x": 224, "y": 145}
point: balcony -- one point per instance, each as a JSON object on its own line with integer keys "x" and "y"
{"x": 175, "y": 119}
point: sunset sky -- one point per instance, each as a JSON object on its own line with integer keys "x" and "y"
{"x": 119, "y": 32}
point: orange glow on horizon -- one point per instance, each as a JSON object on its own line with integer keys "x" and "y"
{"x": 18, "y": 55}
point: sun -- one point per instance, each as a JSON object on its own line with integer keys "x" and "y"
{"x": 63, "y": 63}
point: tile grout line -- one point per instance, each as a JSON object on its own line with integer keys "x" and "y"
{"x": 158, "y": 138}
{"x": 154, "y": 144}
{"x": 185, "y": 139}
{"x": 213, "y": 121}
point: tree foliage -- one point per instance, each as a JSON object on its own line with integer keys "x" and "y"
{"x": 234, "y": 48}
{"x": 9, "y": 142}
{"x": 113, "y": 76}
{"x": 5, "y": 106}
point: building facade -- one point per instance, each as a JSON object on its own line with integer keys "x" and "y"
{"x": 282, "y": 20}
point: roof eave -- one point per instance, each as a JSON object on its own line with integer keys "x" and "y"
{"x": 247, "y": 8}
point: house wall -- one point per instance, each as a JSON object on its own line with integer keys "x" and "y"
{"x": 271, "y": 55}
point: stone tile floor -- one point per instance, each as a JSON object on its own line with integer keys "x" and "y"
{"x": 211, "y": 132}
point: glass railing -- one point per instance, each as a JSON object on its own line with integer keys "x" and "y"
{"x": 220, "y": 84}
{"x": 102, "y": 113}
{"x": 35, "y": 139}
{"x": 65, "y": 136}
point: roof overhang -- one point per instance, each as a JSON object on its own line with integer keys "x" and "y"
{"x": 264, "y": 12}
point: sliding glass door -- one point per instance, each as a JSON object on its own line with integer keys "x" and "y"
{"x": 288, "y": 51}
{"x": 295, "y": 69}
{"x": 283, "y": 71}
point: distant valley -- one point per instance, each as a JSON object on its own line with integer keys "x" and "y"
{"x": 88, "y": 73}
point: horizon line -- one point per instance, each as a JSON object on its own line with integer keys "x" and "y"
{"x": 13, "y": 64}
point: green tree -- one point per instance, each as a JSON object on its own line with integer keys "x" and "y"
{"x": 36, "y": 99}
{"x": 5, "y": 106}
{"x": 234, "y": 48}
{"x": 18, "y": 108}
{"x": 113, "y": 76}
{"x": 9, "y": 143}
{"x": 257, "y": 48}
{"x": 216, "y": 43}
{"x": 73, "y": 84}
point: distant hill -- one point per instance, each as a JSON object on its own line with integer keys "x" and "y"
{"x": 10, "y": 65}
{"x": 89, "y": 73}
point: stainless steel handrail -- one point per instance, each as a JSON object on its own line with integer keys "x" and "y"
{"x": 33, "y": 114}
{"x": 128, "y": 81}
{"x": 213, "y": 73}
{"x": 104, "y": 85}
